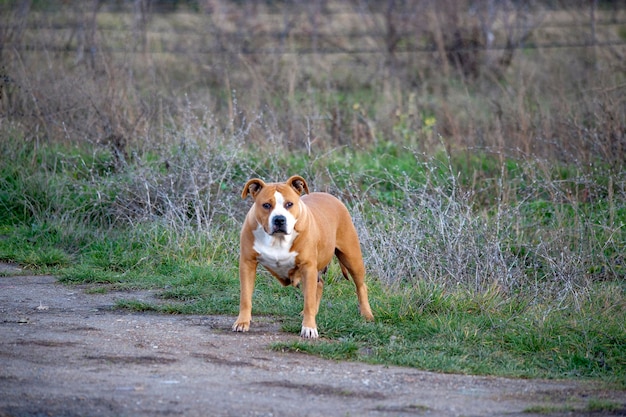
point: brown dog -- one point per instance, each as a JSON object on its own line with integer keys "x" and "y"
{"x": 295, "y": 239}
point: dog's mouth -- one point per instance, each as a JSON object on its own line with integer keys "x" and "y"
{"x": 279, "y": 230}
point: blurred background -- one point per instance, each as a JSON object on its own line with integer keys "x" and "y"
{"x": 510, "y": 78}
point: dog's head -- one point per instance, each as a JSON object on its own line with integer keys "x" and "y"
{"x": 277, "y": 206}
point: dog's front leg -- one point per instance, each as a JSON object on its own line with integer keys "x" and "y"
{"x": 311, "y": 302}
{"x": 247, "y": 276}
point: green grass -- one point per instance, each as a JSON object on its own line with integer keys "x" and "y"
{"x": 597, "y": 405}
{"x": 465, "y": 333}
{"x": 560, "y": 314}
{"x": 593, "y": 406}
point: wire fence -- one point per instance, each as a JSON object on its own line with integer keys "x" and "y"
{"x": 40, "y": 47}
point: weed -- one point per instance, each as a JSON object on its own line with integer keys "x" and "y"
{"x": 598, "y": 405}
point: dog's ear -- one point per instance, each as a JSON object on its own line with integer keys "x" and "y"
{"x": 299, "y": 184}
{"x": 252, "y": 188}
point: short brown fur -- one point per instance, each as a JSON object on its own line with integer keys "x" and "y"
{"x": 324, "y": 228}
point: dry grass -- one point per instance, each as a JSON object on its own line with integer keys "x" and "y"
{"x": 93, "y": 74}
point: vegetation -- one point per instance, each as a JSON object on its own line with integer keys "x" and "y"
{"x": 490, "y": 199}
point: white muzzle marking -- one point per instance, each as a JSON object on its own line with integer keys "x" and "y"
{"x": 281, "y": 212}
{"x": 274, "y": 248}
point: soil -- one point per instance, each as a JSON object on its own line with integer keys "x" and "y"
{"x": 66, "y": 351}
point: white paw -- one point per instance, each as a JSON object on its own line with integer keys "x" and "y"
{"x": 241, "y": 327}
{"x": 309, "y": 333}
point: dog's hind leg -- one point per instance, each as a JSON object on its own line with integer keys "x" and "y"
{"x": 353, "y": 263}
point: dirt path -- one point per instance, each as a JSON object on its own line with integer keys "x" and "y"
{"x": 65, "y": 352}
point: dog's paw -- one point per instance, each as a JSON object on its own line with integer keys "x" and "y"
{"x": 368, "y": 316}
{"x": 309, "y": 333}
{"x": 241, "y": 326}
{"x": 366, "y": 313}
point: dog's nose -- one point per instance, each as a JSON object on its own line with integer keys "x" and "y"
{"x": 280, "y": 221}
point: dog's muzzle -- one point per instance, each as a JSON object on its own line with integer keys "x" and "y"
{"x": 279, "y": 224}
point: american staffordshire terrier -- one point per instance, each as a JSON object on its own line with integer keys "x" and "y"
{"x": 294, "y": 238}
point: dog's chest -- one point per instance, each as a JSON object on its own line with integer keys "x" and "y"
{"x": 275, "y": 252}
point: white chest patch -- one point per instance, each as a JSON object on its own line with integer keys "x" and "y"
{"x": 275, "y": 251}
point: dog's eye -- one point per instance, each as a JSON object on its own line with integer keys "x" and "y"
{"x": 267, "y": 206}
{"x": 288, "y": 204}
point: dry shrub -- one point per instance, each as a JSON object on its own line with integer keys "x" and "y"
{"x": 191, "y": 181}
{"x": 538, "y": 238}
